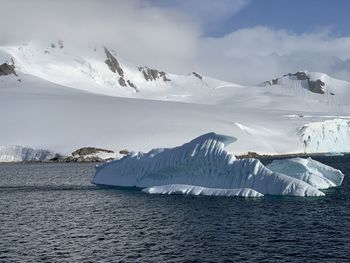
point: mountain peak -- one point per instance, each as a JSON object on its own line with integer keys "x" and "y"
{"x": 98, "y": 69}
{"x": 312, "y": 81}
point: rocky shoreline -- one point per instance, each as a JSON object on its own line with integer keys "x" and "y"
{"x": 81, "y": 155}
{"x": 267, "y": 157}
{"x": 86, "y": 157}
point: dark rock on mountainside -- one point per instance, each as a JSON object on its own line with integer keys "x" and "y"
{"x": 115, "y": 67}
{"x": 7, "y": 69}
{"x": 299, "y": 75}
{"x": 153, "y": 74}
{"x": 60, "y": 43}
{"x": 315, "y": 86}
{"x": 122, "y": 82}
{"x": 132, "y": 85}
{"x": 113, "y": 63}
{"x": 90, "y": 150}
{"x": 197, "y": 75}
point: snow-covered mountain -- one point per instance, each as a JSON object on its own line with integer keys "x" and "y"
{"x": 312, "y": 84}
{"x": 56, "y": 96}
{"x": 101, "y": 70}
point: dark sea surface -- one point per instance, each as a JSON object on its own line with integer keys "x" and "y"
{"x": 52, "y": 213}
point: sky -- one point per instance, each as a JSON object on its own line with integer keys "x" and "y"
{"x": 243, "y": 41}
{"x": 299, "y": 16}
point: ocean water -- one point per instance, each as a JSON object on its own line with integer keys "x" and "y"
{"x": 51, "y": 213}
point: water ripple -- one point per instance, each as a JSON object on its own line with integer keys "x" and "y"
{"x": 51, "y": 213}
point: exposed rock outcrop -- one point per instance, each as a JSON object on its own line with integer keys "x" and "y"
{"x": 250, "y": 155}
{"x": 299, "y": 75}
{"x": 7, "y": 69}
{"x": 90, "y": 150}
{"x": 60, "y": 43}
{"x": 132, "y": 85}
{"x": 153, "y": 74}
{"x": 86, "y": 154}
{"x": 315, "y": 86}
{"x": 89, "y": 155}
{"x": 89, "y": 159}
{"x": 197, "y": 75}
{"x": 113, "y": 63}
{"x": 122, "y": 82}
{"x": 124, "y": 152}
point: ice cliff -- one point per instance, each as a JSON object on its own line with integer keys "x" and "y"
{"x": 202, "y": 162}
{"x": 23, "y": 154}
{"x": 326, "y": 136}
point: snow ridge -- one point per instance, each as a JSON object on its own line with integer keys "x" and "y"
{"x": 100, "y": 70}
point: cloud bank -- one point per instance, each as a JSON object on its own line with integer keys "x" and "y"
{"x": 172, "y": 35}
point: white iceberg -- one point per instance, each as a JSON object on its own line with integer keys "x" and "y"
{"x": 17, "y": 153}
{"x": 202, "y": 162}
{"x": 198, "y": 190}
{"x": 326, "y": 136}
{"x": 310, "y": 171}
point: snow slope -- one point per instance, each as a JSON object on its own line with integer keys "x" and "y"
{"x": 67, "y": 98}
{"x": 202, "y": 162}
{"x": 314, "y": 85}
{"x": 100, "y": 70}
{"x": 49, "y": 116}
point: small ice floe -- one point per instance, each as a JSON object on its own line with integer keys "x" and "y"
{"x": 314, "y": 173}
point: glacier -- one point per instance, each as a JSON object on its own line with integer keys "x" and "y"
{"x": 326, "y": 136}
{"x": 198, "y": 190}
{"x": 17, "y": 153}
{"x": 310, "y": 171}
{"x": 202, "y": 162}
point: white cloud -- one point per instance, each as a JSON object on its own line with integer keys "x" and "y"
{"x": 208, "y": 13}
{"x": 255, "y": 54}
{"x": 143, "y": 33}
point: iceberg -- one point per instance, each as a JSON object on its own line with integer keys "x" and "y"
{"x": 198, "y": 190}
{"x": 202, "y": 162}
{"x": 326, "y": 136}
{"x": 23, "y": 154}
{"x": 317, "y": 174}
